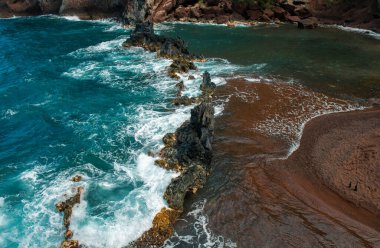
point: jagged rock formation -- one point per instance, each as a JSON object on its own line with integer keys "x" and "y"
{"x": 358, "y": 13}
{"x": 174, "y": 48}
{"x": 129, "y": 11}
{"x": 67, "y": 208}
{"x": 189, "y": 149}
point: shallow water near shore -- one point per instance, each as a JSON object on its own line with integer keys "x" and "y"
{"x": 73, "y": 101}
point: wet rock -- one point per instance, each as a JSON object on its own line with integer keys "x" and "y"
{"x": 190, "y": 181}
{"x": 70, "y": 244}
{"x": 308, "y": 23}
{"x": 77, "y": 178}
{"x": 169, "y": 139}
{"x": 143, "y": 36}
{"x": 279, "y": 12}
{"x": 67, "y": 206}
{"x": 181, "y": 65}
{"x": 194, "y": 137}
{"x": 162, "y": 229}
{"x": 207, "y": 87}
{"x": 184, "y": 100}
{"x": 191, "y": 77}
{"x": 68, "y": 234}
{"x": 180, "y": 87}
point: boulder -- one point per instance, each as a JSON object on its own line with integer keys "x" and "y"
{"x": 70, "y": 244}
{"x": 302, "y": 12}
{"x": 50, "y": 6}
{"x": 181, "y": 12}
{"x": 292, "y": 18}
{"x": 189, "y": 181}
{"x": 288, "y": 7}
{"x": 265, "y": 18}
{"x": 237, "y": 17}
{"x": 214, "y": 10}
{"x": 269, "y": 13}
{"x": 279, "y": 12}
{"x": 195, "y": 12}
{"x": 207, "y": 87}
{"x": 174, "y": 48}
{"x": 162, "y": 229}
{"x": 308, "y": 23}
{"x": 222, "y": 19}
{"x": 254, "y": 14}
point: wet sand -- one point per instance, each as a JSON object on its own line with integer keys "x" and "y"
{"x": 259, "y": 197}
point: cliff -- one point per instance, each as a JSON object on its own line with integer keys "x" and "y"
{"x": 355, "y": 13}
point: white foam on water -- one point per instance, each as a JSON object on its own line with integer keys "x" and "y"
{"x": 356, "y": 30}
{"x": 7, "y": 114}
{"x": 3, "y": 217}
{"x": 204, "y": 237}
{"x": 71, "y": 18}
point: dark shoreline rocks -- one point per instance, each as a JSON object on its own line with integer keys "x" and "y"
{"x": 172, "y": 48}
{"x": 357, "y": 13}
{"x": 189, "y": 149}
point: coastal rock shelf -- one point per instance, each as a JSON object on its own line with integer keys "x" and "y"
{"x": 189, "y": 149}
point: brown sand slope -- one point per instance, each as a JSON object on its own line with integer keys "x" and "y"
{"x": 257, "y": 199}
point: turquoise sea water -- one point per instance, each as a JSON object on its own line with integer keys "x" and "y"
{"x": 73, "y": 101}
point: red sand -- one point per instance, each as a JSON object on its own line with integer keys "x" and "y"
{"x": 260, "y": 200}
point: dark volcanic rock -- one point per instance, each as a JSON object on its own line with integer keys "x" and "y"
{"x": 190, "y": 181}
{"x": 308, "y": 23}
{"x": 180, "y": 65}
{"x": 207, "y": 87}
{"x": 194, "y": 137}
{"x": 143, "y": 36}
{"x": 184, "y": 100}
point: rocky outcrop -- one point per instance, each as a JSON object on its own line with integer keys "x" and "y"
{"x": 129, "y": 11}
{"x": 189, "y": 149}
{"x": 308, "y": 23}
{"x": 66, "y": 207}
{"x": 173, "y": 48}
{"x": 161, "y": 229}
{"x": 355, "y": 13}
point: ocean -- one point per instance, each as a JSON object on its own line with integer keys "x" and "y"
{"x": 74, "y": 101}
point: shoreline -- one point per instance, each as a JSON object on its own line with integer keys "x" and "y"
{"x": 255, "y": 191}
{"x": 233, "y": 24}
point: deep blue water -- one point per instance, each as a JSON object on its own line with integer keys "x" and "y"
{"x": 73, "y": 101}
